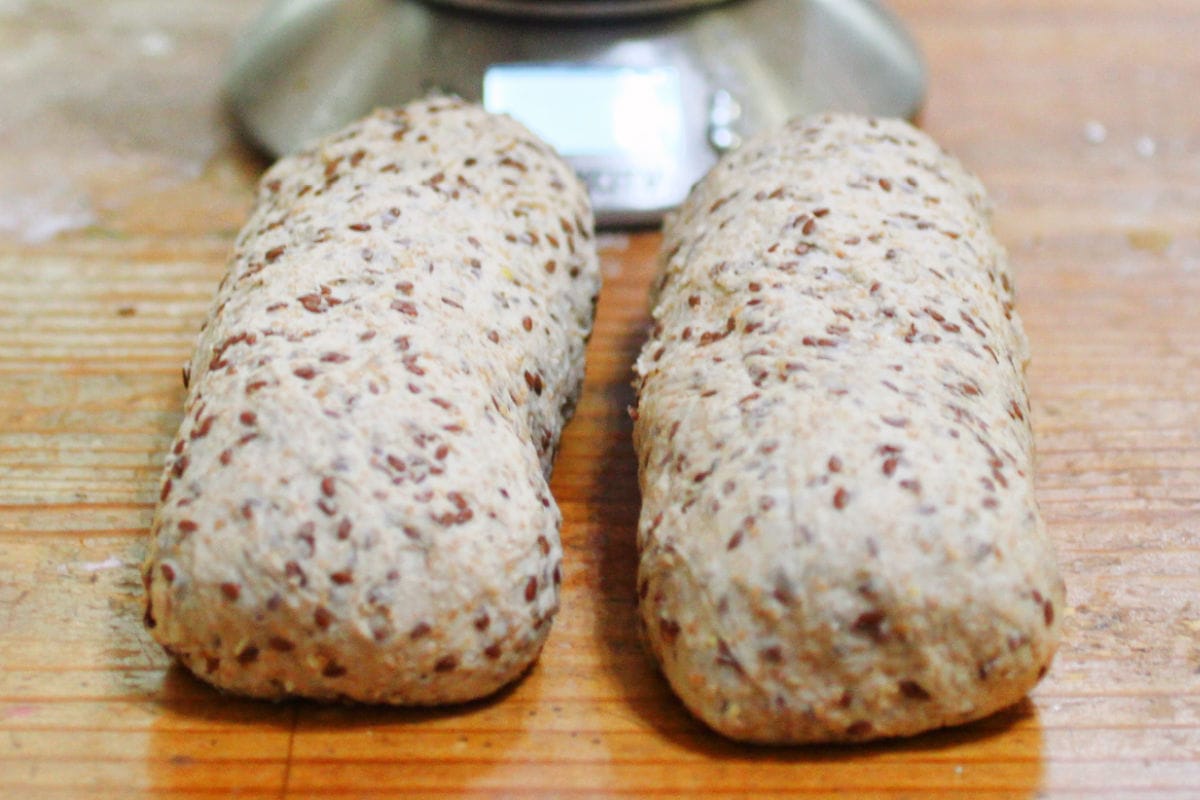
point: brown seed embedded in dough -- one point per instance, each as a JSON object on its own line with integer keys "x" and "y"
{"x": 859, "y": 729}
{"x": 870, "y": 623}
{"x": 293, "y": 571}
{"x": 322, "y": 617}
{"x": 771, "y": 655}
{"x": 840, "y": 498}
{"x": 405, "y": 307}
{"x": 726, "y": 658}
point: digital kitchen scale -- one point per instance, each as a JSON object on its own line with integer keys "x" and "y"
{"x": 641, "y": 96}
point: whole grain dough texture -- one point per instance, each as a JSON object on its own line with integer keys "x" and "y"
{"x": 356, "y": 504}
{"x": 838, "y": 538}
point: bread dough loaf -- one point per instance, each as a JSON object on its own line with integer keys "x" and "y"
{"x": 839, "y": 539}
{"x": 356, "y": 505}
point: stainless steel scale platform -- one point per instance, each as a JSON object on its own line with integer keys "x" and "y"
{"x": 642, "y": 96}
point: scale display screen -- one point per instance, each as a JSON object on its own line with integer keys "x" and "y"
{"x": 586, "y": 110}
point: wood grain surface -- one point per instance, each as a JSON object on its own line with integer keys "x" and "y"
{"x": 1080, "y": 115}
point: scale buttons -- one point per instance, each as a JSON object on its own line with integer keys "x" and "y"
{"x": 724, "y": 111}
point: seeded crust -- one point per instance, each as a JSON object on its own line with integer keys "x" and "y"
{"x": 838, "y": 538}
{"x": 356, "y": 505}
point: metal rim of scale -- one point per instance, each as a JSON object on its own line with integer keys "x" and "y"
{"x": 579, "y": 9}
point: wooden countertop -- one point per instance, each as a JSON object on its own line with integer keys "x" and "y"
{"x": 1081, "y": 117}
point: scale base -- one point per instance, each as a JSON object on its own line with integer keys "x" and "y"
{"x": 309, "y": 67}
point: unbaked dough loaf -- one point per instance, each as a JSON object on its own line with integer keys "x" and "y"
{"x": 356, "y": 503}
{"x": 838, "y": 538}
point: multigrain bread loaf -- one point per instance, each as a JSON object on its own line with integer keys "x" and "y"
{"x": 838, "y": 538}
{"x": 356, "y": 503}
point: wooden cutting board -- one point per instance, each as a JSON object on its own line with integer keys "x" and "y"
{"x": 1081, "y": 117}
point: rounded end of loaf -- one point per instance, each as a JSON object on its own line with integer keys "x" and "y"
{"x": 355, "y": 575}
{"x": 846, "y": 674}
{"x": 262, "y": 623}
